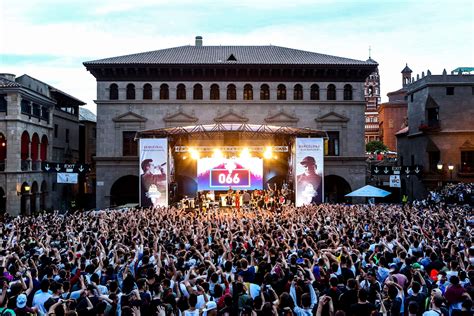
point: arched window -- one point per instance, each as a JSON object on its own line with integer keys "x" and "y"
{"x": 314, "y": 92}
{"x": 370, "y": 91}
{"x": 331, "y": 92}
{"x": 130, "y": 91}
{"x": 3, "y": 151}
{"x": 215, "y": 92}
{"x": 113, "y": 92}
{"x": 34, "y": 147}
{"x": 197, "y": 92}
{"x": 181, "y": 92}
{"x": 44, "y": 148}
{"x": 347, "y": 92}
{"x": 164, "y": 92}
{"x": 264, "y": 92}
{"x": 248, "y": 92}
{"x": 147, "y": 92}
{"x": 281, "y": 92}
{"x": 25, "y": 154}
{"x": 231, "y": 92}
{"x": 298, "y": 92}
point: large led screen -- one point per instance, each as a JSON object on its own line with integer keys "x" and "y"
{"x": 222, "y": 173}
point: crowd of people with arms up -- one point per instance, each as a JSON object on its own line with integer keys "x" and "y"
{"x": 325, "y": 260}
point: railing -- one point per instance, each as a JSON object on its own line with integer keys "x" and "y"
{"x": 25, "y": 165}
{"x": 430, "y": 126}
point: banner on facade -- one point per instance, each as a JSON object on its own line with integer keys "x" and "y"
{"x": 395, "y": 181}
{"x": 63, "y": 177}
{"x": 309, "y": 171}
{"x": 153, "y": 172}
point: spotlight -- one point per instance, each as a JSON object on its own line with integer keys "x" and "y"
{"x": 217, "y": 153}
{"x": 267, "y": 154}
{"x": 245, "y": 153}
{"x": 194, "y": 153}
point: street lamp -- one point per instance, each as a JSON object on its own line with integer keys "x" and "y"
{"x": 439, "y": 166}
{"x": 451, "y": 168}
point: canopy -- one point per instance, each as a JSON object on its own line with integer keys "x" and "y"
{"x": 369, "y": 191}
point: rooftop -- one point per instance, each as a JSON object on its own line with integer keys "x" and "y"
{"x": 205, "y": 55}
{"x": 86, "y": 115}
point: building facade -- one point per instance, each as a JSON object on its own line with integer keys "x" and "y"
{"x": 31, "y": 116}
{"x": 372, "y": 99}
{"x": 440, "y": 133}
{"x": 192, "y": 85}
{"x": 393, "y": 114}
{"x": 87, "y": 151}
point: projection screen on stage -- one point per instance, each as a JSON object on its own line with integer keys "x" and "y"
{"x": 309, "y": 171}
{"x": 153, "y": 172}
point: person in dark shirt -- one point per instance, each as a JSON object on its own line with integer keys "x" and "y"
{"x": 349, "y": 298}
{"x": 362, "y": 307}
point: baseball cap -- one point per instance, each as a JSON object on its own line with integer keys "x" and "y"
{"x": 308, "y": 160}
{"x": 209, "y": 306}
{"x": 416, "y": 265}
{"x": 21, "y": 301}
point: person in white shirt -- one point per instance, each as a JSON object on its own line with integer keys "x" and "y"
{"x": 42, "y": 296}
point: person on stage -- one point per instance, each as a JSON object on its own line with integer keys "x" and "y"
{"x": 237, "y": 200}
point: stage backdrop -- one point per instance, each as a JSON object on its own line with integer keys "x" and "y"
{"x": 222, "y": 173}
{"x": 309, "y": 171}
{"x": 153, "y": 172}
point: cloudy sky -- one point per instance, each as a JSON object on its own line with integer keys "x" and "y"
{"x": 50, "y": 39}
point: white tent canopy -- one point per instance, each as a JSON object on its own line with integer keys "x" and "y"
{"x": 368, "y": 191}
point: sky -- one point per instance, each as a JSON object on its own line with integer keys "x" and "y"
{"x": 50, "y": 39}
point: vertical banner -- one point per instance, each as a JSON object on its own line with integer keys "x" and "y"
{"x": 153, "y": 172}
{"x": 309, "y": 179}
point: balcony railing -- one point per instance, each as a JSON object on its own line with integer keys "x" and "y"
{"x": 36, "y": 165}
{"x": 430, "y": 126}
{"x": 25, "y": 165}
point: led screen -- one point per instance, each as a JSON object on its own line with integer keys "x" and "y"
{"x": 221, "y": 173}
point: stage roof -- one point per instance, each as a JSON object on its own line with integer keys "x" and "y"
{"x": 369, "y": 191}
{"x": 250, "y": 130}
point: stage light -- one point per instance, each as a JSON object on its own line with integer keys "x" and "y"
{"x": 245, "y": 153}
{"x": 194, "y": 153}
{"x": 267, "y": 154}
{"x": 217, "y": 153}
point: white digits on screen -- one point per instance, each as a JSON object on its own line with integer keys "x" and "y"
{"x": 229, "y": 179}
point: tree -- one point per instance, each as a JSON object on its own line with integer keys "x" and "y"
{"x": 375, "y": 146}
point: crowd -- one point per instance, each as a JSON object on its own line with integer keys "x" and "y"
{"x": 453, "y": 193}
{"x": 325, "y": 260}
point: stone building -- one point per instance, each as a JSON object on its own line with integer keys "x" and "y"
{"x": 87, "y": 150}
{"x": 199, "y": 84}
{"x": 38, "y": 123}
{"x": 372, "y": 98}
{"x": 393, "y": 114}
{"x": 440, "y": 133}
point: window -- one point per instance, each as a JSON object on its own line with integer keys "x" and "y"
{"x": 181, "y": 92}
{"x": 347, "y": 92}
{"x": 331, "y": 92}
{"x": 197, "y": 92}
{"x": 314, "y": 92}
{"x": 231, "y": 92}
{"x": 449, "y": 90}
{"x": 130, "y": 91}
{"x": 45, "y": 114}
{"x": 467, "y": 161}
{"x": 215, "y": 92}
{"x": 472, "y": 90}
{"x": 55, "y": 130}
{"x": 164, "y": 92}
{"x": 25, "y": 107}
{"x": 331, "y": 144}
{"x": 3, "y": 103}
{"x": 113, "y": 92}
{"x": 147, "y": 92}
{"x": 36, "y": 110}
{"x": 129, "y": 145}
{"x": 434, "y": 158}
{"x": 67, "y": 135}
{"x": 248, "y": 92}
{"x": 281, "y": 92}
{"x": 370, "y": 91}
{"x": 298, "y": 92}
{"x": 264, "y": 92}
{"x": 411, "y": 97}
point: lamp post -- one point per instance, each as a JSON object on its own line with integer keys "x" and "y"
{"x": 451, "y": 168}
{"x": 439, "y": 166}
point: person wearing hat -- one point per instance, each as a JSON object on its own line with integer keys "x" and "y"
{"x": 210, "y": 309}
{"x": 152, "y": 185}
{"x": 21, "y": 308}
{"x": 308, "y": 183}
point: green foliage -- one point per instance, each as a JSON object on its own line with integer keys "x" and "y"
{"x": 375, "y": 146}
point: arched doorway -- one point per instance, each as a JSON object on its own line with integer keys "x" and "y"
{"x": 124, "y": 191}
{"x": 34, "y": 193}
{"x": 3, "y": 201}
{"x": 25, "y": 199}
{"x": 335, "y": 188}
{"x": 43, "y": 195}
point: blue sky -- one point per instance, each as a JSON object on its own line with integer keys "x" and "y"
{"x": 49, "y": 39}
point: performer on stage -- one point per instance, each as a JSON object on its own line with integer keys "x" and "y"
{"x": 237, "y": 200}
